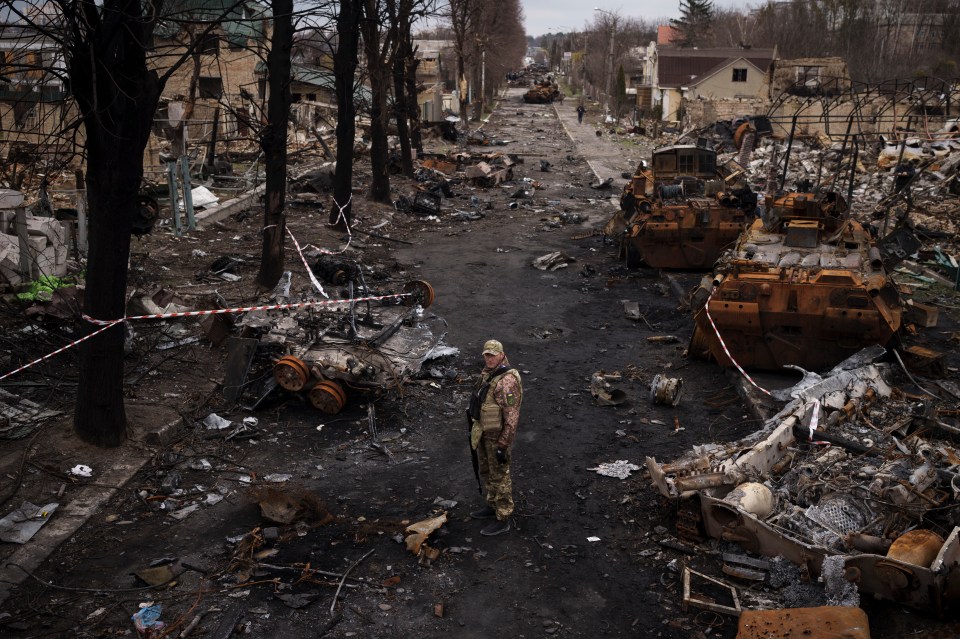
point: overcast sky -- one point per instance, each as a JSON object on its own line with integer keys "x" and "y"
{"x": 554, "y": 16}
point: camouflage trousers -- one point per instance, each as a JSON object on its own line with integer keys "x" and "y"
{"x": 496, "y": 476}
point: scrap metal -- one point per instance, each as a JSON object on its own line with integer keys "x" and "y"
{"x": 851, "y": 467}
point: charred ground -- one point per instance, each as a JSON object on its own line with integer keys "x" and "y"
{"x": 354, "y": 502}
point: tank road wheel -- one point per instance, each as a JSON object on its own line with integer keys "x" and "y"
{"x": 328, "y": 397}
{"x": 420, "y": 292}
{"x": 291, "y": 373}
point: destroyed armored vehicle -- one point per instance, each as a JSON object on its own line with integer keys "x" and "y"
{"x": 854, "y": 481}
{"x": 805, "y": 285}
{"x": 684, "y": 211}
{"x": 542, "y": 93}
{"x": 326, "y": 353}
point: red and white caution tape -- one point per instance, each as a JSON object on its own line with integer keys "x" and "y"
{"x": 59, "y": 350}
{"x": 244, "y": 309}
{"x": 105, "y": 324}
{"x": 706, "y": 308}
{"x": 313, "y": 278}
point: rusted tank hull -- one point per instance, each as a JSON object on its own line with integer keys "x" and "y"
{"x": 686, "y": 212}
{"x": 768, "y": 324}
{"x": 804, "y": 285}
{"x": 682, "y": 240}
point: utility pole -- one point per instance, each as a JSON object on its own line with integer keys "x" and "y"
{"x": 613, "y": 41}
{"x": 483, "y": 78}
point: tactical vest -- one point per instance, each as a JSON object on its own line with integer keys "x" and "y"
{"x": 490, "y": 412}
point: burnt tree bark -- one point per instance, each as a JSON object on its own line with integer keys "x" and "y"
{"x": 117, "y": 95}
{"x": 376, "y": 46}
{"x": 399, "y": 13}
{"x": 413, "y": 109}
{"x": 273, "y": 141}
{"x": 344, "y": 70}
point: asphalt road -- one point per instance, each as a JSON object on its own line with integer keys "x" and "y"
{"x": 584, "y": 557}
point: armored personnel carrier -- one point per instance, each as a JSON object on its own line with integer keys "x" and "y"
{"x": 682, "y": 212}
{"x": 543, "y": 92}
{"x": 804, "y": 285}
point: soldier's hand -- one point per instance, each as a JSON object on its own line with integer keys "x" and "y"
{"x": 501, "y": 456}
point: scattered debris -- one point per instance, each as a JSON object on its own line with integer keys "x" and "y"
{"x": 20, "y": 525}
{"x": 553, "y": 261}
{"x": 620, "y": 469}
{"x": 666, "y": 390}
{"x": 602, "y": 391}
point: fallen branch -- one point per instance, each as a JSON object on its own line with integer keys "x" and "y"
{"x": 333, "y": 604}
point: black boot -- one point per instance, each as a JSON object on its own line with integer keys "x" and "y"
{"x": 484, "y": 513}
{"x": 496, "y": 528}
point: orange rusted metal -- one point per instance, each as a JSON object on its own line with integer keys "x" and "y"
{"x": 917, "y": 547}
{"x": 685, "y": 211}
{"x": 833, "y": 622}
{"x": 801, "y": 287}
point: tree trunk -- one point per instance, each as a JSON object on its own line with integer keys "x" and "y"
{"x": 400, "y": 112}
{"x": 413, "y": 109}
{"x": 379, "y": 115}
{"x": 273, "y": 140}
{"x": 344, "y": 70}
{"x": 400, "y": 102}
{"x": 117, "y": 96}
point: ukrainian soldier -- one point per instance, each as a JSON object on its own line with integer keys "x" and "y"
{"x": 494, "y": 414}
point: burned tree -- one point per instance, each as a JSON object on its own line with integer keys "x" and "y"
{"x": 117, "y": 94}
{"x": 273, "y": 141}
{"x": 105, "y": 45}
{"x": 345, "y": 69}
{"x": 377, "y": 46}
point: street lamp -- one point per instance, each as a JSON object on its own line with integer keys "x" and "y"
{"x": 613, "y": 38}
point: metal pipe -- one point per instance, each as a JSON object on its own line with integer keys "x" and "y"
{"x": 786, "y": 160}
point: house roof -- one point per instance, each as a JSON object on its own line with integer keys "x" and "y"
{"x": 683, "y": 66}
{"x": 666, "y": 35}
{"x": 431, "y": 48}
{"x": 319, "y": 78}
{"x": 239, "y": 21}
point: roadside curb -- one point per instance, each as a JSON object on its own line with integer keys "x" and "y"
{"x": 66, "y": 521}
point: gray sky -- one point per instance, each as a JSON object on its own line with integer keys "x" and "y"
{"x": 554, "y": 16}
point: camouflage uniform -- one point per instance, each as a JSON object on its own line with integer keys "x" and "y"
{"x": 497, "y": 428}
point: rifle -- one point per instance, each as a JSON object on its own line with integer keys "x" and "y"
{"x": 473, "y": 455}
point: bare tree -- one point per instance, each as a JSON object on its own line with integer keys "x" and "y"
{"x": 344, "y": 68}
{"x": 273, "y": 141}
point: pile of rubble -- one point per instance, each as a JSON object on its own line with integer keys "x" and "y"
{"x": 855, "y": 467}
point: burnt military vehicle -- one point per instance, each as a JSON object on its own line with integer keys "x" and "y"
{"x": 684, "y": 210}
{"x": 804, "y": 285}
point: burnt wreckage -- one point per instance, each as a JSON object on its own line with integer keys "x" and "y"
{"x": 805, "y": 285}
{"x": 684, "y": 211}
{"x": 851, "y": 480}
{"x": 326, "y": 354}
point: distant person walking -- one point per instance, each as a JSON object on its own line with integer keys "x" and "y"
{"x": 580, "y": 112}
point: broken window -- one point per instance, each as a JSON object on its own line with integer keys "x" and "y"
{"x": 664, "y": 162}
{"x": 686, "y": 165}
{"x": 808, "y": 76}
{"x": 708, "y": 165}
{"x": 211, "y": 88}
{"x": 24, "y": 116}
{"x": 739, "y": 75}
{"x": 209, "y": 44}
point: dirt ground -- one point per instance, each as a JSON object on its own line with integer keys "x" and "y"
{"x": 585, "y": 557}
